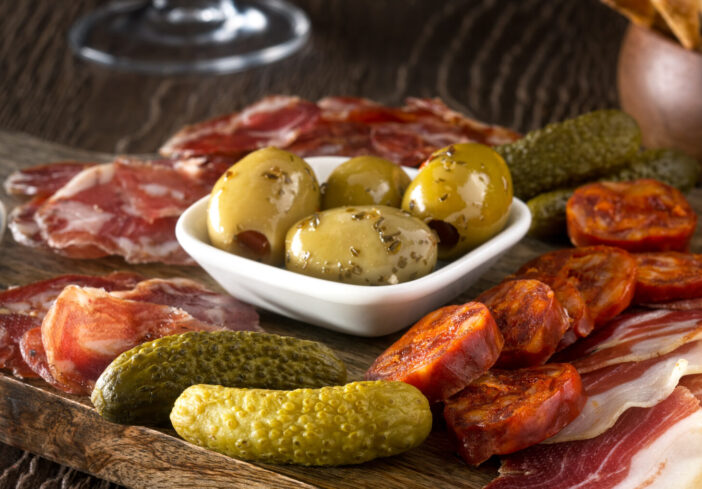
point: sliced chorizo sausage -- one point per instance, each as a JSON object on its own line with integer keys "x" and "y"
{"x": 667, "y": 276}
{"x": 643, "y": 215}
{"x": 443, "y": 352}
{"x": 530, "y": 318}
{"x": 604, "y": 275}
{"x": 507, "y": 410}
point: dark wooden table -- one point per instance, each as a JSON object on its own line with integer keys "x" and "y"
{"x": 517, "y": 63}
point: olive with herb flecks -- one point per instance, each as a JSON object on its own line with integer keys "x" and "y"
{"x": 365, "y": 180}
{"x": 257, "y": 200}
{"x": 464, "y": 193}
{"x": 362, "y": 245}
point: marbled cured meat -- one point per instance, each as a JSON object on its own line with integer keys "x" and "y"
{"x": 614, "y": 389}
{"x": 443, "y": 352}
{"x": 654, "y": 448}
{"x": 198, "y": 301}
{"x": 43, "y": 180}
{"x": 694, "y": 384}
{"x": 667, "y": 276}
{"x": 634, "y": 337}
{"x": 530, "y": 318}
{"x": 23, "y": 308}
{"x": 507, "y": 410}
{"x": 342, "y": 126}
{"x": 87, "y": 328}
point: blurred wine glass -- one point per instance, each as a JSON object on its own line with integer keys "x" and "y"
{"x": 189, "y": 36}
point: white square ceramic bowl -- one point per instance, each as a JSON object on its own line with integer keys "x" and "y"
{"x": 354, "y": 309}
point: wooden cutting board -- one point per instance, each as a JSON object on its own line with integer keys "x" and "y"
{"x": 66, "y": 429}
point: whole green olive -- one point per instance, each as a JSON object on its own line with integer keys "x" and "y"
{"x": 255, "y": 202}
{"x": 464, "y": 193}
{"x": 365, "y": 180}
{"x": 363, "y": 245}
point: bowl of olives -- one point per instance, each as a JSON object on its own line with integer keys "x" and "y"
{"x": 333, "y": 241}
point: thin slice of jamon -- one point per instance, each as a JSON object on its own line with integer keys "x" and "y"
{"x": 679, "y": 305}
{"x": 634, "y": 337}
{"x": 24, "y": 227}
{"x": 198, "y": 301}
{"x": 694, "y": 384}
{"x": 614, "y": 389}
{"x": 120, "y": 209}
{"x": 654, "y": 448}
{"x": 272, "y": 121}
{"x": 43, "y": 179}
{"x": 12, "y": 327}
{"x": 36, "y": 298}
{"x": 33, "y": 353}
{"x": 87, "y": 328}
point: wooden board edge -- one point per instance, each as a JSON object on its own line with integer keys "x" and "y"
{"x": 133, "y": 456}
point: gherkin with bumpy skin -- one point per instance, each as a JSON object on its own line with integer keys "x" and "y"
{"x": 565, "y": 154}
{"x": 666, "y": 165}
{"x": 141, "y": 384}
{"x": 340, "y": 425}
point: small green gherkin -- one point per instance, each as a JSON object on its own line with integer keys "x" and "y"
{"x": 564, "y": 154}
{"x": 666, "y": 165}
{"x": 340, "y": 425}
{"x": 141, "y": 385}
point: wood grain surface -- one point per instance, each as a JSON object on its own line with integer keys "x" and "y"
{"x": 520, "y": 64}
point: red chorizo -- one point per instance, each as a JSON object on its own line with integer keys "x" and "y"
{"x": 443, "y": 352}
{"x": 530, "y": 318}
{"x": 508, "y": 410}
{"x": 667, "y": 276}
{"x": 644, "y": 215}
{"x": 604, "y": 275}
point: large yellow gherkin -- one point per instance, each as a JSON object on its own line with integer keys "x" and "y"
{"x": 339, "y": 425}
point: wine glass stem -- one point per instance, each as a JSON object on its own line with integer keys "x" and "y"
{"x": 174, "y": 12}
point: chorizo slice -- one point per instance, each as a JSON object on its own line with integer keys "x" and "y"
{"x": 507, "y": 410}
{"x": 667, "y": 276}
{"x": 643, "y": 215}
{"x": 530, "y": 318}
{"x": 443, "y": 352}
{"x": 604, "y": 275}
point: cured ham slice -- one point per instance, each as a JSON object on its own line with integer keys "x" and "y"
{"x": 198, "y": 301}
{"x": 614, "y": 389}
{"x": 12, "y": 327}
{"x": 654, "y": 448}
{"x": 43, "y": 179}
{"x": 634, "y": 337}
{"x": 87, "y": 328}
{"x": 119, "y": 209}
{"x": 694, "y": 384}
{"x": 33, "y": 353}
{"x": 343, "y": 126}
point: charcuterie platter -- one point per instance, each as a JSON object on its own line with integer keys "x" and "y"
{"x": 66, "y": 429}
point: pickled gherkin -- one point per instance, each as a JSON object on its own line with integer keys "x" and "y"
{"x": 339, "y": 425}
{"x": 565, "y": 154}
{"x": 666, "y": 165}
{"x": 141, "y": 384}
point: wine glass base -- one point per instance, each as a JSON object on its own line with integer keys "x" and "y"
{"x": 135, "y": 36}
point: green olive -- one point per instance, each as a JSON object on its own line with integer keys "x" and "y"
{"x": 257, "y": 200}
{"x": 464, "y": 193}
{"x": 363, "y": 245}
{"x": 365, "y": 180}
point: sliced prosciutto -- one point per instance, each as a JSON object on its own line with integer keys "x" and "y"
{"x": 87, "y": 328}
{"x": 634, "y": 337}
{"x": 343, "y": 126}
{"x": 32, "y": 349}
{"x": 694, "y": 384}
{"x": 119, "y": 209}
{"x": 653, "y": 448}
{"x": 614, "y": 389}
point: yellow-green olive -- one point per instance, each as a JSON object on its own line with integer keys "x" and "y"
{"x": 257, "y": 200}
{"x": 363, "y": 245}
{"x": 365, "y": 180}
{"x": 464, "y": 193}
